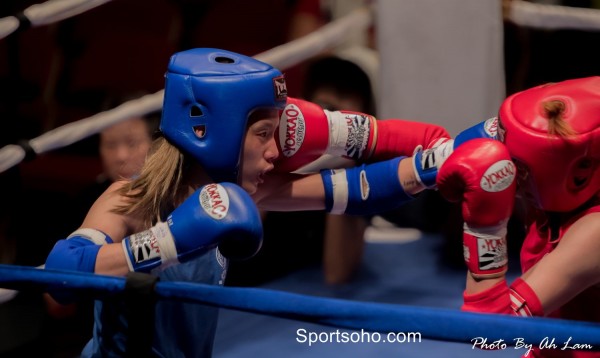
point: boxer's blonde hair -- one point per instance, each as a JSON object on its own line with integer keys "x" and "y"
{"x": 556, "y": 124}
{"x": 157, "y": 190}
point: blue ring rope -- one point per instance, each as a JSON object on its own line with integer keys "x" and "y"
{"x": 431, "y": 323}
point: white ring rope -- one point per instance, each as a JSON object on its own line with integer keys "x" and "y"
{"x": 328, "y": 36}
{"x": 47, "y": 13}
{"x": 72, "y": 132}
{"x": 281, "y": 57}
{"x": 7, "y": 294}
{"x": 553, "y": 17}
{"x": 521, "y": 13}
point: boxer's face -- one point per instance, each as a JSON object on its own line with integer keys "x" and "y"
{"x": 526, "y": 188}
{"x": 260, "y": 149}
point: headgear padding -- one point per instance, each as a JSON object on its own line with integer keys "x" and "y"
{"x": 562, "y": 171}
{"x": 209, "y": 96}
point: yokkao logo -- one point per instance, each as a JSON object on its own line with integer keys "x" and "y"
{"x": 291, "y": 130}
{"x": 491, "y": 127}
{"x": 214, "y": 200}
{"x": 498, "y": 176}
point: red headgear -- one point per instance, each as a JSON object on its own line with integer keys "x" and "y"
{"x": 562, "y": 172}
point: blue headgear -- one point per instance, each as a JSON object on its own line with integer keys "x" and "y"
{"x": 215, "y": 91}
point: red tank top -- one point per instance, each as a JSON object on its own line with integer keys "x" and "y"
{"x": 584, "y": 307}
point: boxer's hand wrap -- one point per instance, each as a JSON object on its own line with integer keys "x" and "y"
{"x": 216, "y": 214}
{"x": 151, "y": 248}
{"x": 485, "y": 249}
{"x": 427, "y": 163}
{"x": 481, "y": 175}
{"x": 366, "y": 189}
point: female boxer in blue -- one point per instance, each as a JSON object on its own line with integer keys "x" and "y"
{"x": 193, "y": 205}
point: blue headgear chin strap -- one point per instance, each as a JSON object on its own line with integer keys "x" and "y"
{"x": 209, "y": 95}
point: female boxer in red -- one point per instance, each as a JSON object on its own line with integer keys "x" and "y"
{"x": 552, "y": 133}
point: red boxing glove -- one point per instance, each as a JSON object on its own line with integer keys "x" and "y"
{"x": 310, "y": 138}
{"x": 398, "y": 137}
{"x": 481, "y": 175}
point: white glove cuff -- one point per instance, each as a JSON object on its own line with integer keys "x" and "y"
{"x": 497, "y": 231}
{"x": 166, "y": 244}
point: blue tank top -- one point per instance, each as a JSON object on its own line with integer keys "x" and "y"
{"x": 181, "y": 329}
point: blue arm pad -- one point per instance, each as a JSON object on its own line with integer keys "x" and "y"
{"x": 78, "y": 252}
{"x": 75, "y": 254}
{"x": 364, "y": 190}
{"x": 485, "y": 129}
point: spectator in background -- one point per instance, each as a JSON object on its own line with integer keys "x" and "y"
{"x": 310, "y": 15}
{"x": 122, "y": 148}
{"x": 345, "y": 80}
{"x": 45, "y": 327}
{"x": 338, "y": 82}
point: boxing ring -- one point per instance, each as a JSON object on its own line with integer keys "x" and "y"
{"x": 431, "y": 323}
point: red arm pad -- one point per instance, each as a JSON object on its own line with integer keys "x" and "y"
{"x": 493, "y": 300}
{"x": 397, "y": 137}
{"x": 524, "y": 301}
{"x": 519, "y": 300}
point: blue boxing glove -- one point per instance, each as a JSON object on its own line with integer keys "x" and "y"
{"x": 216, "y": 214}
{"x": 486, "y": 129}
{"x": 427, "y": 162}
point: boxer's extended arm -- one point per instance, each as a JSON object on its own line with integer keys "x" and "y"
{"x": 555, "y": 280}
{"x": 481, "y": 176}
{"x": 110, "y": 259}
{"x": 428, "y": 160}
{"x": 571, "y": 267}
{"x": 311, "y": 132}
{"x": 216, "y": 214}
{"x": 366, "y": 189}
{"x": 311, "y": 139}
{"x": 391, "y": 182}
